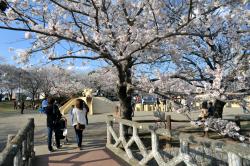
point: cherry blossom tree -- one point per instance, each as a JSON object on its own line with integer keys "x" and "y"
{"x": 9, "y": 79}
{"x": 59, "y": 82}
{"x": 213, "y": 68}
{"x": 66, "y": 83}
{"x": 121, "y": 33}
{"x": 46, "y": 76}
{"x": 50, "y": 80}
{"x": 103, "y": 80}
{"x": 31, "y": 82}
{"x": 216, "y": 67}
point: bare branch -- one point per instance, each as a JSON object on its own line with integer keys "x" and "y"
{"x": 76, "y": 57}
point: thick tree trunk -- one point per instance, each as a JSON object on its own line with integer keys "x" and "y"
{"x": 11, "y": 93}
{"x": 218, "y": 108}
{"x": 125, "y": 102}
{"x": 124, "y": 90}
{"x": 33, "y": 101}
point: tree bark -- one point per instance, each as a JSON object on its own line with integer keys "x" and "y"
{"x": 124, "y": 91}
{"x": 125, "y": 102}
{"x": 218, "y": 108}
{"x": 33, "y": 101}
{"x": 11, "y": 93}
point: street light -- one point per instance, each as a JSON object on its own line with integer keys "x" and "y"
{"x": 19, "y": 84}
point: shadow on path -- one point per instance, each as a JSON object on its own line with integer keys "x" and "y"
{"x": 93, "y": 152}
{"x": 88, "y": 158}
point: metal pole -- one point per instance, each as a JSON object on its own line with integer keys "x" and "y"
{"x": 19, "y": 84}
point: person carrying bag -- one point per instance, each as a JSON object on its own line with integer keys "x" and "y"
{"x": 53, "y": 116}
{"x": 79, "y": 120}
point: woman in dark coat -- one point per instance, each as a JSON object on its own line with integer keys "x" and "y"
{"x": 53, "y": 117}
{"x": 22, "y": 106}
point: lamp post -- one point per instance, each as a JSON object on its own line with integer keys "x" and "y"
{"x": 19, "y": 84}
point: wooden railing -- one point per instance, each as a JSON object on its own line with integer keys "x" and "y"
{"x": 19, "y": 150}
{"x": 120, "y": 139}
{"x": 120, "y": 145}
{"x": 167, "y": 123}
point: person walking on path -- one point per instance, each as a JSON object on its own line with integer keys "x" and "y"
{"x": 204, "y": 111}
{"x": 18, "y": 104}
{"x": 71, "y": 114}
{"x": 164, "y": 103}
{"x": 44, "y": 104}
{"x": 22, "y": 106}
{"x": 142, "y": 103}
{"x": 210, "y": 109}
{"x": 87, "y": 111}
{"x": 157, "y": 104}
{"x": 79, "y": 120}
{"x": 169, "y": 106}
{"x": 133, "y": 107}
{"x": 15, "y": 104}
{"x": 244, "y": 106}
{"x": 53, "y": 117}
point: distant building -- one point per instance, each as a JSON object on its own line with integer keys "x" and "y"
{"x": 4, "y": 97}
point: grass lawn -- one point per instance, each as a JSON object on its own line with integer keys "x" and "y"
{"x": 7, "y": 109}
{"x": 6, "y": 106}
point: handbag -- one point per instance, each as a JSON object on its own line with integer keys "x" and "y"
{"x": 80, "y": 126}
{"x": 65, "y": 132}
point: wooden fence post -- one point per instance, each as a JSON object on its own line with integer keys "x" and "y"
{"x": 237, "y": 120}
{"x": 168, "y": 118}
{"x": 109, "y": 136}
{"x": 184, "y": 147}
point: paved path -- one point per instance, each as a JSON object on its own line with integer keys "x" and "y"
{"x": 94, "y": 140}
{"x": 92, "y": 154}
{"x": 91, "y": 157}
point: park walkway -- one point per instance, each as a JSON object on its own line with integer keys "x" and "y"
{"x": 92, "y": 154}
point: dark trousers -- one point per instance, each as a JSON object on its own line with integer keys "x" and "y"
{"x": 78, "y": 137}
{"x": 50, "y": 131}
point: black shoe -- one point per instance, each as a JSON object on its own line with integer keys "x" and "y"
{"x": 58, "y": 147}
{"x": 51, "y": 150}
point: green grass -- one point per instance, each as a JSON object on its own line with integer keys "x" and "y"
{"x": 6, "y": 106}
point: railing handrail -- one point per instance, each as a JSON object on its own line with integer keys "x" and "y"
{"x": 159, "y": 131}
{"x": 243, "y": 119}
{"x": 10, "y": 152}
{"x": 121, "y": 140}
{"x": 235, "y": 152}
